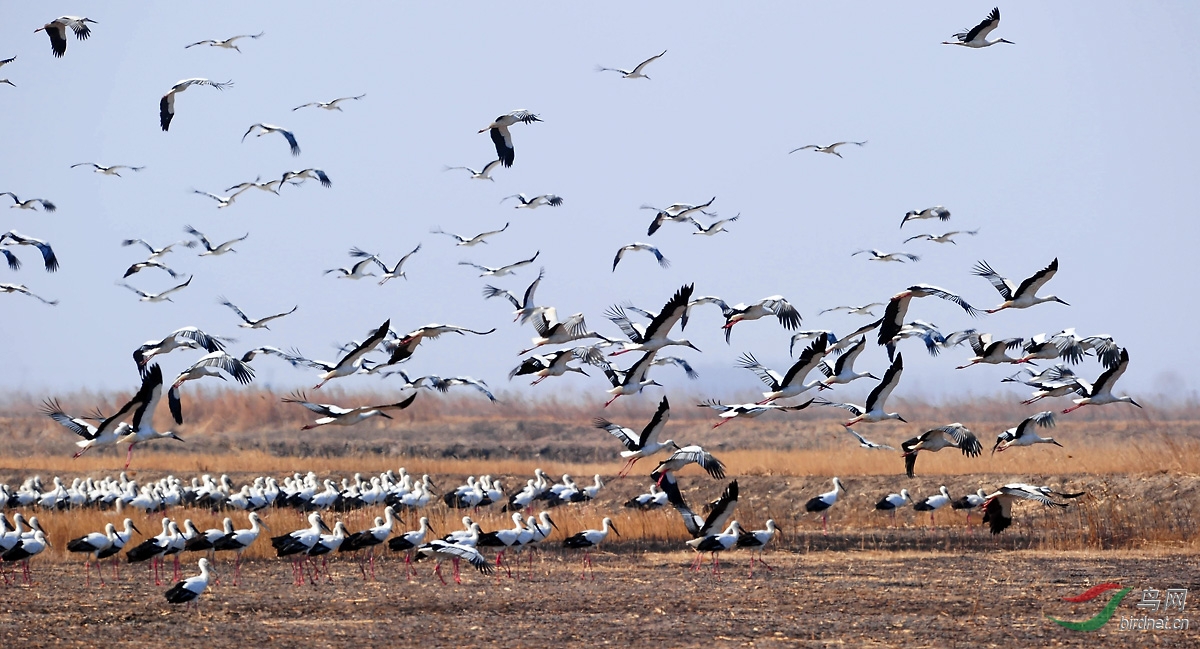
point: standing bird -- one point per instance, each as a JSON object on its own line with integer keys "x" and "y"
{"x": 330, "y": 105}
{"x": 976, "y": 37}
{"x": 662, "y": 261}
{"x": 484, "y": 174}
{"x": 30, "y": 204}
{"x": 756, "y": 541}
{"x": 498, "y": 130}
{"x": 950, "y": 436}
{"x": 265, "y": 129}
{"x": 1023, "y": 296}
{"x": 970, "y": 502}
{"x": 1023, "y": 434}
{"x": 210, "y": 249}
{"x": 643, "y": 445}
{"x": 91, "y": 545}
{"x": 933, "y": 503}
{"x": 831, "y": 149}
{"x": 936, "y": 212}
{"x": 239, "y": 540}
{"x": 166, "y": 105}
{"x": 823, "y": 502}
{"x": 637, "y": 72}
{"x": 892, "y": 502}
{"x": 260, "y": 323}
{"x": 1100, "y": 392}
{"x": 589, "y": 539}
{"x": 190, "y": 589}
{"x": 873, "y": 410}
{"x": 229, "y": 43}
{"x": 57, "y": 31}
{"x": 714, "y": 543}
{"x": 27, "y": 548}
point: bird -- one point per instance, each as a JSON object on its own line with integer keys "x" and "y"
{"x": 156, "y": 253}
{"x": 229, "y": 43}
{"x": 444, "y": 384}
{"x": 501, "y": 271}
{"x": 892, "y": 502}
{"x": 150, "y": 263}
{"x": 877, "y": 255}
{"x": 1064, "y": 345}
{"x": 223, "y": 201}
{"x": 636, "y": 72}
{"x": 353, "y": 360}
{"x": 190, "y": 589}
{"x": 537, "y": 201}
{"x": 371, "y": 537}
{"x": 239, "y": 541}
{"x": 823, "y": 502}
{"x": 330, "y": 105}
{"x": 107, "y": 171}
{"x": 933, "y": 503}
{"x": 832, "y": 148}
{"x": 157, "y": 297}
{"x": 662, "y": 261}
{"x": 259, "y": 323}
{"x": 91, "y": 434}
{"x": 297, "y": 544}
{"x": 854, "y": 310}
{"x": 715, "y": 227}
{"x": 936, "y": 212}
{"x": 1023, "y": 434}
{"x": 166, "y": 105}
{"x": 30, "y": 204}
{"x": 555, "y": 363}
{"x": 501, "y": 137}
{"x": 681, "y": 363}
{"x": 757, "y": 541}
{"x": 775, "y": 305}
{"x": 270, "y": 186}
{"x": 8, "y": 82}
{"x": 714, "y": 543}
{"x": 483, "y": 174}
{"x": 388, "y": 273}
{"x": 57, "y": 31}
{"x": 360, "y": 269}
{"x": 1100, "y": 392}
{"x": 842, "y": 371}
{"x": 652, "y": 499}
{"x": 896, "y": 311}
{"x": 298, "y": 177}
{"x": 1023, "y": 296}
{"x": 942, "y": 238}
{"x": 653, "y": 336}
{"x": 719, "y": 511}
{"x": 468, "y": 242}
{"x": 976, "y": 37}
{"x": 4, "y": 62}
{"x": 91, "y": 545}
{"x": 630, "y": 381}
{"x": 455, "y": 552}
{"x": 142, "y": 427}
{"x": 866, "y": 443}
{"x": 991, "y": 351}
{"x": 210, "y": 249}
{"x": 792, "y": 383}
{"x": 212, "y": 364}
{"x": 686, "y": 455}
{"x": 505, "y": 539}
{"x": 525, "y": 307}
{"x": 409, "y": 541}
{"x": 49, "y": 259}
{"x": 873, "y": 411}
{"x": 645, "y": 444}
{"x": 749, "y": 410}
{"x": 677, "y": 212}
{"x": 949, "y": 436}
{"x": 265, "y": 129}
{"x": 997, "y": 509}
{"x": 182, "y": 338}
{"x": 24, "y": 550}
{"x": 970, "y": 502}
{"x": 589, "y": 539}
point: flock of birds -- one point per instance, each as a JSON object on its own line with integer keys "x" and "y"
{"x": 646, "y": 333}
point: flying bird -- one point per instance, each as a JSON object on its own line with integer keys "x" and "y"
{"x": 107, "y": 171}
{"x": 1100, "y": 392}
{"x": 936, "y": 212}
{"x": 976, "y": 37}
{"x": 468, "y": 242}
{"x": 535, "y": 202}
{"x": 662, "y": 261}
{"x": 950, "y": 436}
{"x": 298, "y": 177}
{"x": 31, "y": 204}
{"x": 873, "y": 411}
{"x": 942, "y": 238}
{"x": 330, "y": 105}
{"x": 265, "y": 129}
{"x": 229, "y": 43}
{"x": 501, "y": 137}
{"x": 150, "y": 263}
{"x": 716, "y": 227}
{"x": 166, "y": 105}
{"x": 260, "y": 323}
{"x": 157, "y": 297}
{"x": 223, "y": 201}
{"x": 48, "y": 257}
{"x": 1023, "y": 296}
{"x": 637, "y": 72}
{"x": 484, "y": 174}
{"x": 877, "y": 255}
{"x": 20, "y": 288}
{"x": 210, "y": 249}
{"x": 831, "y": 149}
{"x": 502, "y": 270}
{"x": 57, "y": 31}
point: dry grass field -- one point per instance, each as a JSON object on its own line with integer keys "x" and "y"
{"x": 873, "y": 580}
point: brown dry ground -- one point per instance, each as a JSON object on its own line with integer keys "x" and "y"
{"x": 812, "y": 599}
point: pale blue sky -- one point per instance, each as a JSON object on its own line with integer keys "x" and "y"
{"x": 1078, "y": 142}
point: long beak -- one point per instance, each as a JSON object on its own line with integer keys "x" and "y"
{"x": 324, "y": 526}
{"x": 134, "y": 528}
{"x": 1057, "y": 444}
{"x": 614, "y": 529}
{"x": 384, "y": 414}
{"x": 552, "y": 522}
{"x": 902, "y": 419}
{"x": 177, "y": 438}
{"x": 1135, "y": 403}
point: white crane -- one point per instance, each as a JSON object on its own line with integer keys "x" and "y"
{"x": 298, "y": 177}
{"x": 353, "y": 360}
{"x": 182, "y": 338}
{"x": 552, "y": 200}
{"x": 588, "y": 539}
{"x": 997, "y": 510}
{"x": 970, "y": 502}
{"x": 748, "y": 410}
{"x": 190, "y": 589}
{"x": 113, "y": 170}
{"x": 830, "y": 149}
{"x": 223, "y": 201}
{"x": 166, "y": 105}
{"x": 525, "y": 307}
{"x": 866, "y": 443}
{"x": 823, "y": 502}
{"x": 775, "y": 305}
{"x": 150, "y": 263}
{"x": 949, "y": 436}
{"x": 330, "y": 105}
{"x": 455, "y": 552}
{"x": 157, "y": 297}
{"x": 852, "y": 310}
{"x": 506, "y": 539}
{"x": 644, "y": 247}
{"x": 409, "y": 541}
{"x": 388, "y": 273}
{"x": 298, "y": 543}
{"x": 501, "y": 271}
{"x": 873, "y": 411}
{"x": 501, "y": 137}
{"x": 482, "y": 174}
{"x": 1025, "y": 434}
{"x": 20, "y": 288}
{"x": 757, "y": 541}
{"x": 359, "y": 270}
{"x": 683, "y": 456}
{"x": 990, "y": 351}
{"x": 645, "y": 444}
{"x": 444, "y": 384}
{"x": 630, "y": 381}
{"x": 91, "y": 545}
{"x": 652, "y": 499}
{"x": 57, "y": 31}
{"x": 792, "y": 383}
{"x": 842, "y": 371}
{"x": 91, "y": 435}
{"x": 270, "y": 186}
{"x": 1023, "y": 296}
{"x": 24, "y": 550}
{"x": 212, "y": 364}
{"x": 653, "y": 336}
{"x": 229, "y": 43}
{"x": 266, "y": 129}
{"x": 892, "y": 322}
{"x": 257, "y": 323}
{"x": 552, "y": 331}
{"x": 637, "y": 72}
{"x": 933, "y": 503}
{"x": 714, "y": 543}
{"x": 976, "y": 37}
{"x": 879, "y": 255}
{"x": 715, "y": 227}
{"x": 1100, "y": 392}
{"x": 544, "y": 366}
{"x": 677, "y": 212}
{"x": 8, "y": 82}
{"x": 893, "y": 502}
{"x": 157, "y": 253}
{"x": 142, "y": 427}
{"x": 49, "y": 259}
{"x": 469, "y": 241}
{"x": 370, "y": 538}
{"x": 947, "y": 237}
{"x": 936, "y": 212}
{"x": 30, "y": 204}
{"x": 4, "y": 62}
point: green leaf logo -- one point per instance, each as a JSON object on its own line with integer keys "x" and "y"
{"x": 1101, "y": 618}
